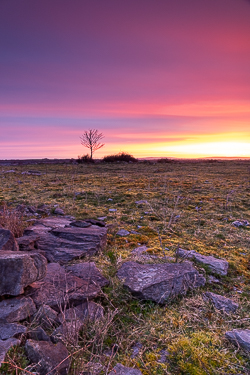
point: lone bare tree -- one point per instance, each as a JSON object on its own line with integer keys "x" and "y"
{"x": 91, "y": 139}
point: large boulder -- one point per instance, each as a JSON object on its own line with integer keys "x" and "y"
{"x": 16, "y": 309}
{"x": 119, "y": 369}
{"x": 240, "y": 337}
{"x": 50, "y": 358}
{"x": 20, "y": 269}
{"x": 60, "y": 288}
{"x": 159, "y": 282}
{"x": 62, "y": 242}
{"x": 221, "y": 303}
{"x": 7, "y": 240}
{"x": 5, "y": 346}
{"x": 215, "y": 265}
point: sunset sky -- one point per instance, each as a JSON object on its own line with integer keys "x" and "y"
{"x": 156, "y": 77}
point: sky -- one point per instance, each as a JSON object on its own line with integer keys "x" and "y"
{"x": 159, "y": 78}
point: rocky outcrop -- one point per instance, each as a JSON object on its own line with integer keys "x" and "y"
{"x": 62, "y": 242}
{"x": 240, "y": 337}
{"x": 18, "y": 270}
{"x": 159, "y": 282}
{"x": 60, "y": 288}
{"x": 221, "y": 303}
{"x": 7, "y": 240}
{"x": 119, "y": 369}
{"x": 215, "y": 265}
{"x": 16, "y": 309}
{"x": 50, "y": 358}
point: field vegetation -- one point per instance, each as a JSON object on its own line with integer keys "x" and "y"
{"x": 165, "y": 205}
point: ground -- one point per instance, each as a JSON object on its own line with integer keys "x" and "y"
{"x": 189, "y": 204}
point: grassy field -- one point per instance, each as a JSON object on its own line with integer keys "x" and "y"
{"x": 186, "y": 204}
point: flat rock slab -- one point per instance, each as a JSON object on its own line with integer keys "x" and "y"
{"x": 50, "y": 358}
{"x": 8, "y": 330}
{"x": 89, "y": 272}
{"x": 60, "y": 288}
{"x": 240, "y": 337}
{"x": 46, "y": 317}
{"x": 119, "y": 369}
{"x": 87, "y": 310}
{"x": 62, "y": 242}
{"x": 5, "y": 347}
{"x": 16, "y": 309}
{"x": 159, "y": 282}
{"x": 221, "y": 303}
{"x": 20, "y": 269}
{"x": 215, "y": 265}
{"x": 7, "y": 240}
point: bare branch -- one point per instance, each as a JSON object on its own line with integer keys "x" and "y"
{"x": 91, "y": 139}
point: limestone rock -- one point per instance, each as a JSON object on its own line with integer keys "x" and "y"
{"x": 240, "y": 223}
{"x": 240, "y": 337}
{"x": 38, "y": 334}
{"x": 28, "y": 243}
{"x": 119, "y": 369}
{"x": 8, "y": 330}
{"x": 62, "y": 242}
{"x": 7, "y": 240}
{"x": 16, "y": 309}
{"x": 122, "y": 233}
{"x": 5, "y": 347}
{"x": 221, "y": 303}
{"x": 88, "y": 271}
{"x": 18, "y": 270}
{"x": 60, "y": 288}
{"x": 50, "y": 358}
{"x": 159, "y": 282}
{"x": 46, "y": 317}
{"x": 87, "y": 310}
{"x": 217, "y": 266}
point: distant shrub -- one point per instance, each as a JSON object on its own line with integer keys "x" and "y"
{"x": 84, "y": 159}
{"x": 11, "y": 219}
{"x": 122, "y": 156}
{"x": 165, "y": 160}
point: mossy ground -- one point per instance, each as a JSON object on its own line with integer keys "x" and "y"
{"x": 189, "y": 204}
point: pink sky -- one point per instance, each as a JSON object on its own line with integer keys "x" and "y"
{"x": 157, "y": 78}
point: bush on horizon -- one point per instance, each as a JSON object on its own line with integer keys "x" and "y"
{"x": 121, "y": 156}
{"x": 84, "y": 159}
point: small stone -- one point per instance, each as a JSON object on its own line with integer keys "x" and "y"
{"x": 141, "y": 202}
{"x": 112, "y": 210}
{"x": 50, "y": 358}
{"x": 8, "y": 330}
{"x": 240, "y": 337}
{"x": 46, "y": 317}
{"x": 136, "y": 349}
{"x": 240, "y": 223}
{"x": 16, "y": 309}
{"x": 58, "y": 211}
{"x": 119, "y": 369}
{"x": 38, "y": 334}
{"x": 122, "y": 233}
{"x": 221, "y": 303}
{"x": 7, "y": 240}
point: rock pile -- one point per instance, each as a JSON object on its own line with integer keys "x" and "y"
{"x": 49, "y": 294}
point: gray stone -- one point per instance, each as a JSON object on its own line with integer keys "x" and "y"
{"x": 88, "y": 310}
{"x": 38, "y": 334}
{"x": 159, "y": 282}
{"x": 141, "y": 202}
{"x": 122, "y": 233}
{"x": 8, "y": 330}
{"x": 5, "y": 347}
{"x": 7, "y": 240}
{"x": 50, "y": 358}
{"x": 80, "y": 224}
{"x": 28, "y": 243}
{"x": 46, "y": 317}
{"x": 221, "y": 303}
{"x": 61, "y": 242}
{"x": 119, "y": 369}
{"x": 216, "y": 266}
{"x": 240, "y": 337}
{"x": 58, "y": 211}
{"x": 67, "y": 332}
{"x": 136, "y": 349}
{"x": 16, "y": 309}
{"x": 112, "y": 210}
{"x": 18, "y": 270}
{"x": 60, "y": 288}
{"x": 89, "y": 272}
{"x": 240, "y": 223}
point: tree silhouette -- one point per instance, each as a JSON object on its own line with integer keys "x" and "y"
{"x": 91, "y": 139}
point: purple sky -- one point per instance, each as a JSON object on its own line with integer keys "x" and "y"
{"x": 158, "y": 77}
